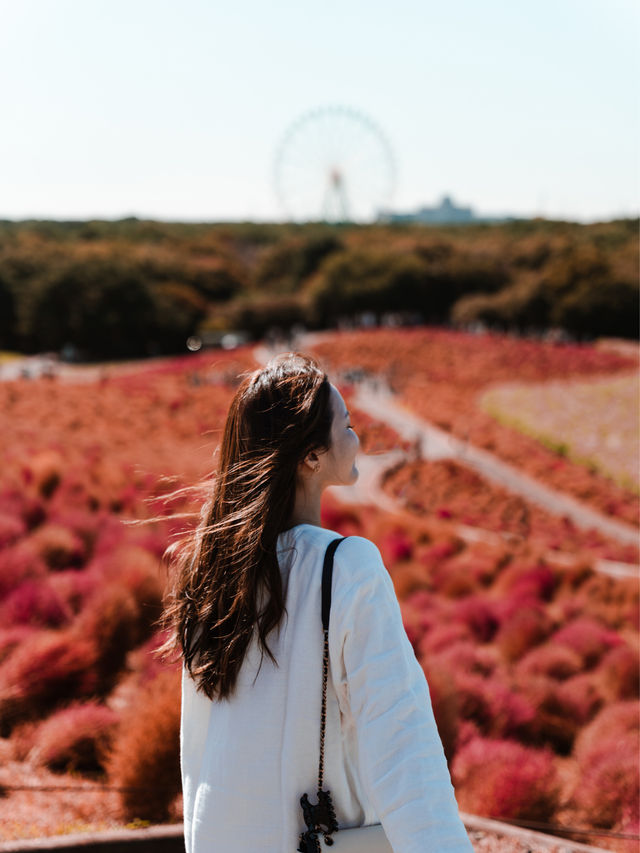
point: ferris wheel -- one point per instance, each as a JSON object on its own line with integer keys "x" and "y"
{"x": 334, "y": 164}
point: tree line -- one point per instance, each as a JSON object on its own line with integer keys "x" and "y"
{"x": 133, "y": 288}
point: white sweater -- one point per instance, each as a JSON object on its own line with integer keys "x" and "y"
{"x": 247, "y": 761}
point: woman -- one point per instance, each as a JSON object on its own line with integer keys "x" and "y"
{"x": 246, "y": 614}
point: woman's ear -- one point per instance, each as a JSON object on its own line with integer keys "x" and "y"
{"x": 311, "y": 462}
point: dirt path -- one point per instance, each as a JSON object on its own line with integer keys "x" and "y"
{"x": 436, "y": 444}
{"x": 376, "y": 399}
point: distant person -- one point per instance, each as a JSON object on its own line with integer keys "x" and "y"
{"x": 246, "y": 615}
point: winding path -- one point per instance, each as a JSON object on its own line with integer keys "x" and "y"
{"x": 378, "y": 401}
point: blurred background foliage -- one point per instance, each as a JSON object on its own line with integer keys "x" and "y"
{"x": 131, "y": 288}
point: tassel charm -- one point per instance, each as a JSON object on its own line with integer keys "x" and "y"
{"x": 320, "y": 819}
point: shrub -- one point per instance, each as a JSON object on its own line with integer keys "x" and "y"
{"x": 11, "y": 638}
{"x": 620, "y": 673}
{"x": 53, "y": 667}
{"x": 12, "y": 529}
{"x": 35, "y": 603}
{"x": 75, "y": 739}
{"x": 442, "y": 637}
{"x": 607, "y": 793}
{"x": 466, "y": 656}
{"x": 58, "y": 546}
{"x": 527, "y": 582}
{"x": 145, "y": 754}
{"x": 503, "y": 779}
{"x": 557, "y": 662}
{"x": 395, "y": 546}
{"x": 17, "y": 563}
{"x": 580, "y": 697}
{"x": 479, "y": 614}
{"x": 74, "y": 587}
{"x": 617, "y": 723}
{"x": 340, "y": 518}
{"x": 82, "y": 523}
{"x": 444, "y": 700}
{"x": 454, "y": 580}
{"x": 492, "y": 705}
{"x": 587, "y": 638}
{"x": 551, "y": 725}
{"x": 146, "y": 663}
{"x": 44, "y": 471}
{"x": 526, "y": 625}
{"x": 538, "y": 582}
{"x": 409, "y": 577}
{"x": 111, "y": 619}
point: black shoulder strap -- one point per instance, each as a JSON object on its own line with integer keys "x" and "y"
{"x": 327, "y": 575}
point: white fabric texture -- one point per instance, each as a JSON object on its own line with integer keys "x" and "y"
{"x": 246, "y": 761}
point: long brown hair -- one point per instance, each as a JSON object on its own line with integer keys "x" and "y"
{"x": 279, "y": 414}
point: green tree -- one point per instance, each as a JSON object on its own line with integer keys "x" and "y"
{"x": 7, "y": 315}
{"x": 100, "y": 305}
{"x": 285, "y": 266}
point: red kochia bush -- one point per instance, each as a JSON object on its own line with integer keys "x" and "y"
{"x": 557, "y": 662}
{"x": 525, "y": 625}
{"x": 58, "y": 546}
{"x": 607, "y": 795}
{"x": 444, "y": 700}
{"x": 11, "y": 638}
{"x": 75, "y": 739}
{"x": 395, "y": 546}
{"x": 44, "y": 470}
{"x": 11, "y": 529}
{"x": 136, "y": 571}
{"x": 145, "y": 756}
{"x": 53, "y": 667}
{"x": 619, "y": 670}
{"x": 441, "y": 638}
{"x": 35, "y": 603}
{"x": 82, "y": 523}
{"x": 491, "y": 705}
{"x": 17, "y": 563}
{"x": 479, "y": 614}
{"x": 587, "y": 638}
{"x": 501, "y": 778}
{"x": 618, "y": 723}
{"x": 111, "y": 619}
{"x": 580, "y": 697}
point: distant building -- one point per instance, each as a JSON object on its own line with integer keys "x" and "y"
{"x": 444, "y": 214}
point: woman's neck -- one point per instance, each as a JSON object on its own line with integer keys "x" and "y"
{"x": 306, "y": 507}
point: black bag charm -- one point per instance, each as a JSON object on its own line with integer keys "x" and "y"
{"x": 320, "y": 819}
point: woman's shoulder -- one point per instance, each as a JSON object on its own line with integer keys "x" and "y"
{"x": 358, "y": 565}
{"x": 354, "y": 558}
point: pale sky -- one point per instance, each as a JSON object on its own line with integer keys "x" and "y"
{"x": 174, "y": 109}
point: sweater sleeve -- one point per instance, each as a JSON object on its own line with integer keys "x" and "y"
{"x": 401, "y": 760}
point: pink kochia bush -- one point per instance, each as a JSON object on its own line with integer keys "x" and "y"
{"x": 58, "y": 546}
{"x": 491, "y": 705}
{"x": 588, "y": 639}
{"x": 524, "y": 624}
{"x": 557, "y": 662}
{"x": 12, "y": 528}
{"x": 18, "y": 563}
{"x": 144, "y": 758}
{"x": 42, "y": 673}
{"x": 619, "y": 671}
{"x": 607, "y": 789}
{"x": 75, "y": 739}
{"x": 503, "y": 779}
{"x": 35, "y": 602}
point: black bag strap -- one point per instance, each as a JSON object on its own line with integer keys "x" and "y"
{"x": 321, "y": 817}
{"x": 327, "y": 575}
